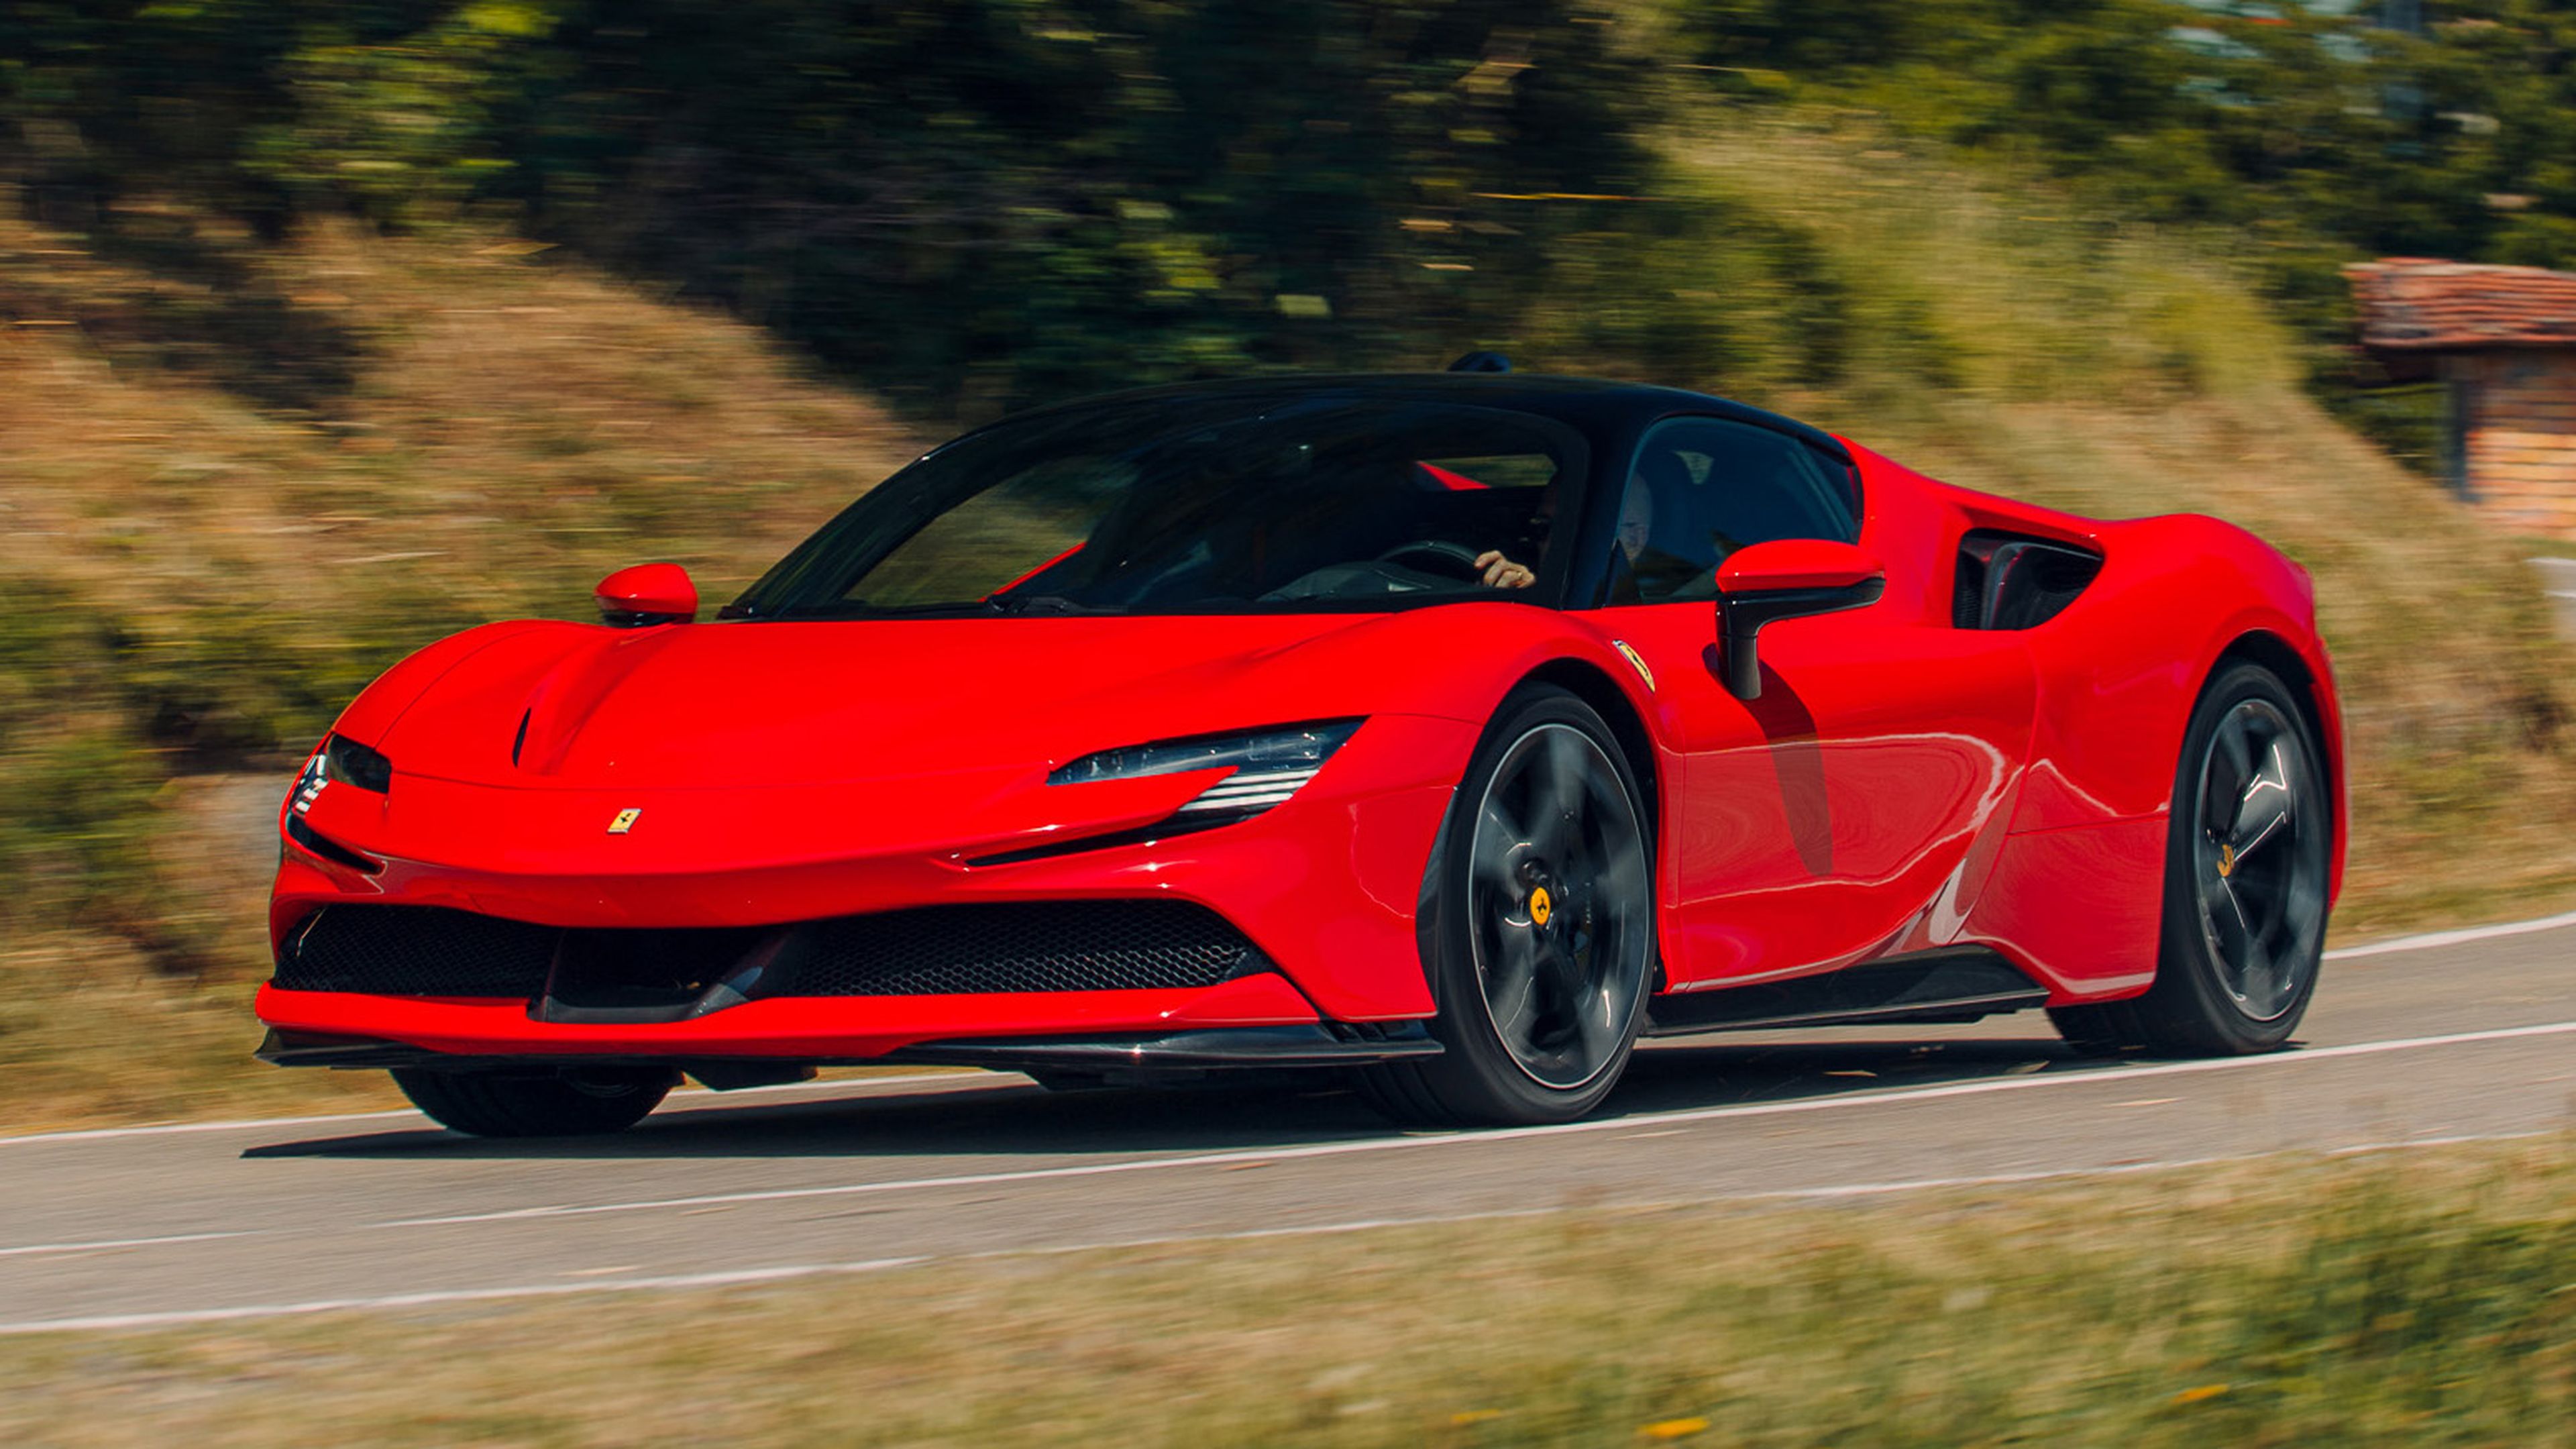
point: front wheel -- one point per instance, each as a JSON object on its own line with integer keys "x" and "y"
{"x": 563, "y": 1104}
{"x": 1539, "y": 926}
{"x": 2247, "y": 866}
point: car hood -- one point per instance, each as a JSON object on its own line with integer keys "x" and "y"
{"x": 752, "y": 705}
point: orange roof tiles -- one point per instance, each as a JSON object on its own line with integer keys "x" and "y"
{"x": 2413, "y": 304}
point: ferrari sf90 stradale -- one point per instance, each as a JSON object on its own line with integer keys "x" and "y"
{"x": 1448, "y": 732}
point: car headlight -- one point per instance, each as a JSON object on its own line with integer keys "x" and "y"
{"x": 346, "y": 761}
{"x": 1267, "y": 766}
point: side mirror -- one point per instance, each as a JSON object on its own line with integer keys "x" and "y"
{"x": 1787, "y": 578}
{"x": 648, "y": 594}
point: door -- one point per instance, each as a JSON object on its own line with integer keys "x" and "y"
{"x": 1832, "y": 818}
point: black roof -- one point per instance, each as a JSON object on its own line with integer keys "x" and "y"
{"x": 1592, "y": 404}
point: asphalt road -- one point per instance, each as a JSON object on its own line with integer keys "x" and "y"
{"x": 2438, "y": 1039}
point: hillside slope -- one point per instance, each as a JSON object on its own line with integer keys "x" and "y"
{"x": 198, "y": 583}
{"x": 203, "y": 571}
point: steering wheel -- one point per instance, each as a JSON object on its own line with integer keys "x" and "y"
{"x": 1436, "y": 556}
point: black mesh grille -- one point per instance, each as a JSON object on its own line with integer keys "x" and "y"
{"x": 1053, "y": 946}
{"x": 934, "y": 950}
{"x": 417, "y": 951}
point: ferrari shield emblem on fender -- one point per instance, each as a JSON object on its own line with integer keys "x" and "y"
{"x": 624, "y": 822}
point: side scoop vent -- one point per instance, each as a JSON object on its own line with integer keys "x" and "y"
{"x": 2009, "y": 581}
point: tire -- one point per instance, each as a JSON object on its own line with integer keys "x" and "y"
{"x": 1538, "y": 926}
{"x": 566, "y": 1104}
{"x": 2247, "y": 862}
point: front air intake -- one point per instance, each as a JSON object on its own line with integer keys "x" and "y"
{"x": 416, "y": 951}
{"x": 1055, "y": 946}
{"x": 966, "y": 950}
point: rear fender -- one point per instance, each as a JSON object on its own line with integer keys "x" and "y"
{"x": 2078, "y": 891}
{"x": 2121, "y": 668}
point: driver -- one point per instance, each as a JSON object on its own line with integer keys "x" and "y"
{"x": 1636, "y": 520}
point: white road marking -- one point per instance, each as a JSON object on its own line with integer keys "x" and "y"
{"x": 186, "y": 1317}
{"x": 173, "y": 1129}
{"x": 103, "y": 1244}
{"x": 1898, "y": 1098}
{"x": 2117, "y": 1169}
{"x": 690, "y": 1095}
{"x": 2461, "y": 937}
{"x": 182, "y": 1318}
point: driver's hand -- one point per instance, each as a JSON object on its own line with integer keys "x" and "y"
{"x": 1502, "y": 573}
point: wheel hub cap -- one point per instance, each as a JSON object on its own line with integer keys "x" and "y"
{"x": 2260, "y": 841}
{"x": 1557, "y": 894}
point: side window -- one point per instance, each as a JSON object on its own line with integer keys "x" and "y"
{"x": 1701, "y": 488}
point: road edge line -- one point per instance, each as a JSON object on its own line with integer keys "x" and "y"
{"x": 2434, "y": 940}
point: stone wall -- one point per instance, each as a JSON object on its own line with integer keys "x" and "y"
{"x": 2515, "y": 434}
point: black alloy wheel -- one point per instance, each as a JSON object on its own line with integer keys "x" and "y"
{"x": 2247, "y": 865}
{"x": 1539, "y": 926}
{"x": 572, "y": 1103}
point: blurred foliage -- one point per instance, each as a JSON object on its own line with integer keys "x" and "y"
{"x": 2312, "y": 134}
{"x": 1004, "y": 199}
{"x": 983, "y": 203}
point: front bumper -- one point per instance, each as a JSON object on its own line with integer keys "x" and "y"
{"x": 1324, "y": 886}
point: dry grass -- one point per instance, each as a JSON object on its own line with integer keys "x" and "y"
{"x": 513, "y": 430}
{"x": 494, "y": 429}
{"x": 2421, "y": 1299}
{"x": 126, "y": 1043}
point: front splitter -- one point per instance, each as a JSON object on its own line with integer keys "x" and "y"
{"x": 1209, "y": 1049}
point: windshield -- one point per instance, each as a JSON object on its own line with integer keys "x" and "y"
{"x": 1194, "y": 506}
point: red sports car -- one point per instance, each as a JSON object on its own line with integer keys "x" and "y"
{"x": 1447, "y": 731}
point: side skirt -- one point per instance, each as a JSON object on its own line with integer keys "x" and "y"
{"x": 1959, "y": 984}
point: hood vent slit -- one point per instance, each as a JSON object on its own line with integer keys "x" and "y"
{"x": 520, "y": 741}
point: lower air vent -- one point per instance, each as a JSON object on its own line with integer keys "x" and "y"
{"x": 1052, "y": 946}
{"x": 1157, "y": 945}
{"x": 416, "y": 951}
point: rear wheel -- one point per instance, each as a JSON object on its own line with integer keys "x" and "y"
{"x": 1540, "y": 926}
{"x": 565, "y": 1104}
{"x": 2246, "y": 872}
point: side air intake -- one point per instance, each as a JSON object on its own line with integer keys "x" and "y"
{"x": 2008, "y": 581}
